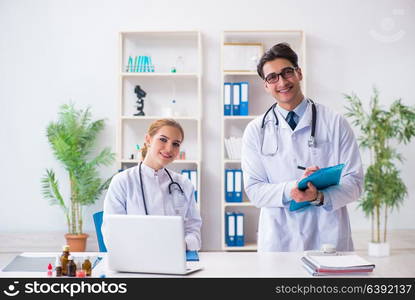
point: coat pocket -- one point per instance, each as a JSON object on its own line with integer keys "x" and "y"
{"x": 179, "y": 203}
{"x": 320, "y": 155}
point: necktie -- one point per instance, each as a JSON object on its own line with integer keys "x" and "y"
{"x": 290, "y": 120}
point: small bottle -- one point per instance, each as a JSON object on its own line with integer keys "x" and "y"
{"x": 170, "y": 109}
{"x": 180, "y": 64}
{"x": 87, "y": 267}
{"x": 173, "y": 107}
{"x": 58, "y": 267}
{"x": 71, "y": 267}
{"x": 80, "y": 273}
{"x": 50, "y": 270}
{"x": 167, "y": 110}
{"x": 64, "y": 260}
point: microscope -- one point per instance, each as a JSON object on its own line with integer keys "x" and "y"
{"x": 140, "y": 101}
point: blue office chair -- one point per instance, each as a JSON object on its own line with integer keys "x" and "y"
{"x": 98, "y": 224}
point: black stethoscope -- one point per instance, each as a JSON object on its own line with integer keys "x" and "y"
{"x": 311, "y": 140}
{"x": 172, "y": 183}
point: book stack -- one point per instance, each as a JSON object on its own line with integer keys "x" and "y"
{"x": 336, "y": 264}
{"x": 233, "y": 147}
{"x": 140, "y": 64}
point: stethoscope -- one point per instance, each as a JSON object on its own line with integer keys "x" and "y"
{"x": 172, "y": 183}
{"x": 311, "y": 140}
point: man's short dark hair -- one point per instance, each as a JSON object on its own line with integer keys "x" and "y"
{"x": 281, "y": 50}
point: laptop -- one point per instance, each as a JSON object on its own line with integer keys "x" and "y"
{"x": 147, "y": 244}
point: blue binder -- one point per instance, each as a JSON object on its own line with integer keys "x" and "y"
{"x": 139, "y": 64}
{"x": 227, "y": 98}
{"x": 230, "y": 227}
{"x": 148, "y": 67}
{"x": 239, "y": 229}
{"x": 192, "y": 176}
{"x": 236, "y": 98}
{"x": 186, "y": 173}
{"x": 229, "y": 185}
{"x": 193, "y": 179}
{"x": 136, "y": 63}
{"x": 237, "y": 179}
{"x": 244, "y": 111}
{"x": 130, "y": 64}
{"x": 145, "y": 65}
{"x": 321, "y": 179}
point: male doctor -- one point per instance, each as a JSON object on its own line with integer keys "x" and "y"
{"x": 271, "y": 155}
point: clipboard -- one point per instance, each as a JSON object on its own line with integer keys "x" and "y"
{"x": 321, "y": 179}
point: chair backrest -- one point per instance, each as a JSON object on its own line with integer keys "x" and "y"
{"x": 98, "y": 223}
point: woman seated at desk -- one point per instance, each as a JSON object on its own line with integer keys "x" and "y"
{"x": 151, "y": 189}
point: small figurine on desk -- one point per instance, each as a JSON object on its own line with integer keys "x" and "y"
{"x": 140, "y": 102}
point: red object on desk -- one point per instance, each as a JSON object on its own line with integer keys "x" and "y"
{"x": 50, "y": 272}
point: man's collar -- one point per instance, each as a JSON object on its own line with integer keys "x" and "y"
{"x": 303, "y": 110}
{"x": 299, "y": 110}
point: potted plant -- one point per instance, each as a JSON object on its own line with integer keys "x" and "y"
{"x": 384, "y": 190}
{"x": 72, "y": 139}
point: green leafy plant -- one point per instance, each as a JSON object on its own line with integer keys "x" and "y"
{"x": 381, "y": 130}
{"x": 72, "y": 140}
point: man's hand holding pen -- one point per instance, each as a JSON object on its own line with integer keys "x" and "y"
{"x": 307, "y": 171}
{"x": 311, "y": 192}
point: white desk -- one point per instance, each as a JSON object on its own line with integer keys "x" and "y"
{"x": 401, "y": 263}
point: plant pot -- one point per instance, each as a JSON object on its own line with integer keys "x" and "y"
{"x": 76, "y": 242}
{"x": 378, "y": 249}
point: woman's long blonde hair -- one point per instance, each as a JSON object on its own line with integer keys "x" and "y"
{"x": 156, "y": 126}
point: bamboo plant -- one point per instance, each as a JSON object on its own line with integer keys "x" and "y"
{"x": 72, "y": 139}
{"x": 381, "y": 130}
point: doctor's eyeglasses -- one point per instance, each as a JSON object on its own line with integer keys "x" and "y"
{"x": 286, "y": 73}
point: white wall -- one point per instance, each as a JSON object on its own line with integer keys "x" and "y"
{"x": 54, "y": 51}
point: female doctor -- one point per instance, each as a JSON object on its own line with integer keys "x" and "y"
{"x": 150, "y": 188}
{"x": 294, "y": 132}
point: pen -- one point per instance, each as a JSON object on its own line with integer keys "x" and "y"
{"x": 301, "y": 168}
{"x": 96, "y": 262}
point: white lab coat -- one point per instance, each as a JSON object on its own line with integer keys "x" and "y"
{"x": 124, "y": 197}
{"x": 267, "y": 179}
